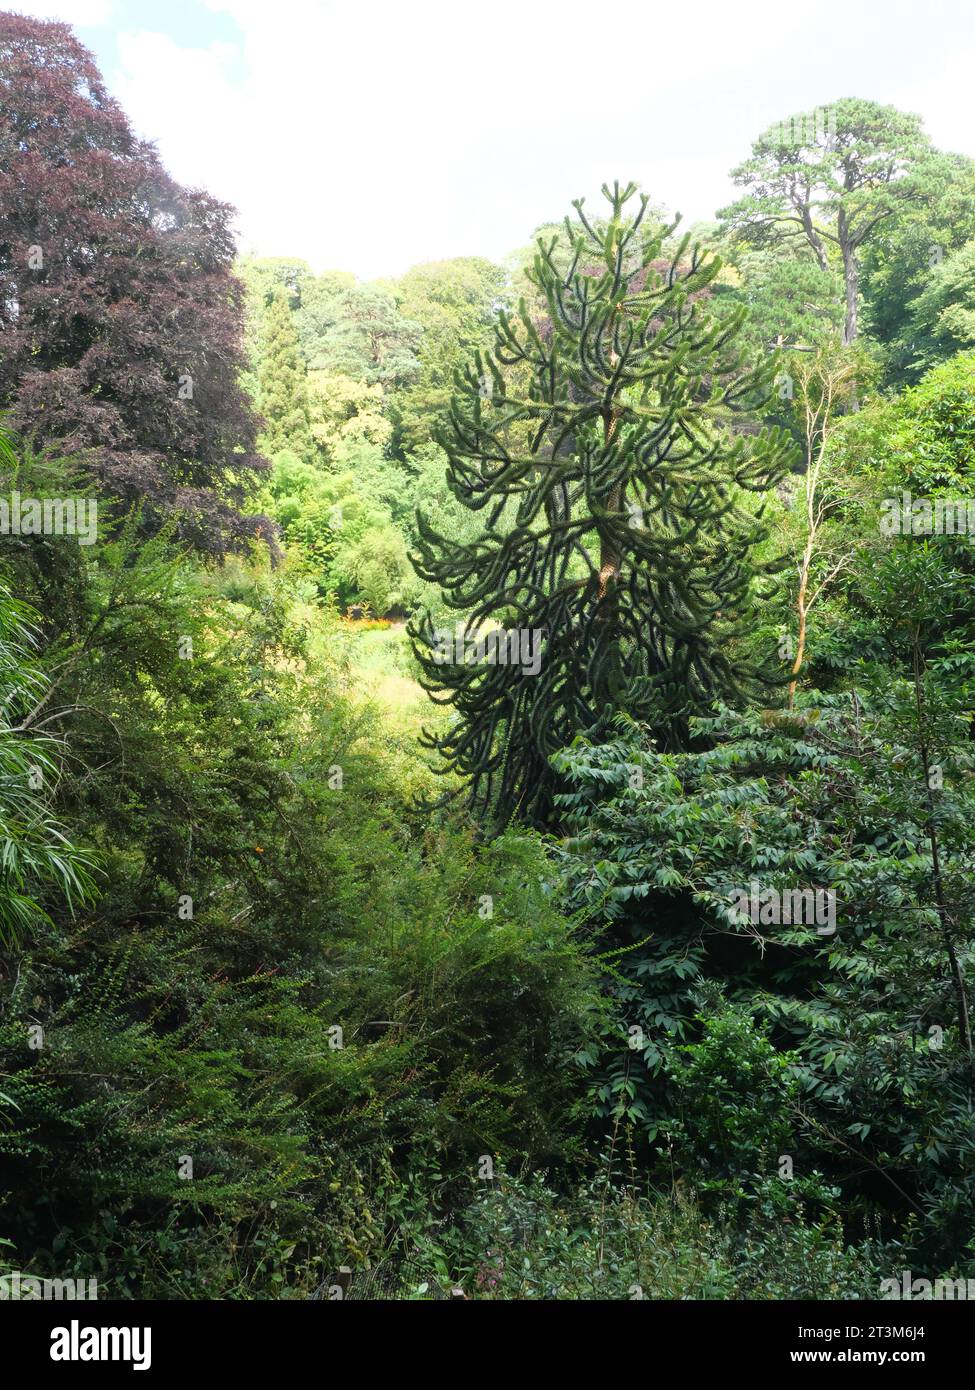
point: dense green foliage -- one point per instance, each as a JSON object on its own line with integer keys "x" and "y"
{"x": 283, "y": 388}
{"x": 264, "y": 886}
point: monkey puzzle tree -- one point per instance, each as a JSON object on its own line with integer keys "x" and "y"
{"x": 618, "y": 518}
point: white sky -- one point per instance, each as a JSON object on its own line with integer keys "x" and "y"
{"x": 373, "y": 134}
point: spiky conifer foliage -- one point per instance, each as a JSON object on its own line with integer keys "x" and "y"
{"x": 620, "y": 517}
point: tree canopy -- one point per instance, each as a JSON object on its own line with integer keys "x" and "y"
{"x": 120, "y": 313}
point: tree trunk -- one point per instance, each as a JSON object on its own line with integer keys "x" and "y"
{"x": 803, "y": 610}
{"x": 851, "y": 279}
{"x": 813, "y": 237}
{"x": 851, "y": 276}
{"x": 609, "y": 556}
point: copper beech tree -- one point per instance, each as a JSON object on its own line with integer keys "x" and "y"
{"x": 120, "y": 316}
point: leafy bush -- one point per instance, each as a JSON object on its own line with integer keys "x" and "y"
{"x": 611, "y": 1240}
{"x": 867, "y": 1056}
{"x": 264, "y": 886}
{"x": 37, "y": 860}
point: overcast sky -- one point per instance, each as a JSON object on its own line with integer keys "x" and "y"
{"x": 373, "y": 134}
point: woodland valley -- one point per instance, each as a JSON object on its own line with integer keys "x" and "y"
{"x": 487, "y": 789}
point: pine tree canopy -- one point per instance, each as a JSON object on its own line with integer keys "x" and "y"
{"x": 619, "y": 506}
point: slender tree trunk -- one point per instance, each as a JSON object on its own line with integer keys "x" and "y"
{"x": 814, "y": 464}
{"x": 851, "y": 280}
{"x": 610, "y": 564}
{"x": 813, "y": 237}
{"x": 803, "y": 609}
{"x": 609, "y": 555}
{"x": 851, "y": 277}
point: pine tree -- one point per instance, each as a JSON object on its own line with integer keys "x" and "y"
{"x": 283, "y": 381}
{"x": 595, "y": 439}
